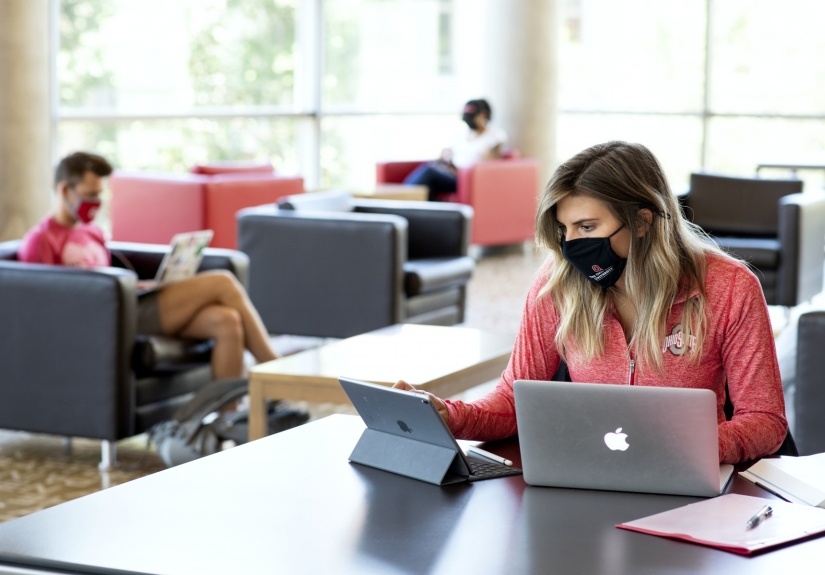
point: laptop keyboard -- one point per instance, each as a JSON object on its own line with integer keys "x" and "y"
{"x": 491, "y": 469}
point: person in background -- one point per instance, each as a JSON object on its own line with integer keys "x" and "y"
{"x": 480, "y": 141}
{"x": 212, "y": 305}
{"x": 634, "y": 294}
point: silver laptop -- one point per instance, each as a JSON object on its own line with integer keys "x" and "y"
{"x": 182, "y": 260}
{"x": 620, "y": 438}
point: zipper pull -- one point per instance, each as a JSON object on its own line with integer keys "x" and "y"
{"x": 632, "y": 369}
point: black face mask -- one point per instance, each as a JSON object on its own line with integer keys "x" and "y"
{"x": 595, "y": 259}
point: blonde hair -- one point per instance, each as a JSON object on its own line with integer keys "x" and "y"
{"x": 667, "y": 260}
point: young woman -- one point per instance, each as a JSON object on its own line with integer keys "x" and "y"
{"x": 633, "y": 294}
{"x": 212, "y": 305}
{"x": 480, "y": 141}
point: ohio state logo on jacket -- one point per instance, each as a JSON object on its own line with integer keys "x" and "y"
{"x": 675, "y": 344}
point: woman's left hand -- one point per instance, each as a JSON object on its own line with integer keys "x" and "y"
{"x": 440, "y": 406}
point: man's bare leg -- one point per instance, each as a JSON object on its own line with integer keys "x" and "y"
{"x": 178, "y": 304}
{"x": 223, "y": 325}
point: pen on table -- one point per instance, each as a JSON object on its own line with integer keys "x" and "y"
{"x": 489, "y": 455}
{"x": 763, "y": 513}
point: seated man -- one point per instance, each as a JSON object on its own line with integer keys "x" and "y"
{"x": 212, "y": 305}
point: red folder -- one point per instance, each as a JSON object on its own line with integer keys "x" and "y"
{"x": 721, "y": 522}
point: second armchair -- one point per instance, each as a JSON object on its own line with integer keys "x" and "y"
{"x": 769, "y": 224}
{"x": 326, "y": 265}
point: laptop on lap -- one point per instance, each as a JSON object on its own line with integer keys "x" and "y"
{"x": 182, "y": 260}
{"x": 620, "y": 438}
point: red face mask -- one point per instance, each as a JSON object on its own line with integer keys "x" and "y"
{"x": 85, "y": 210}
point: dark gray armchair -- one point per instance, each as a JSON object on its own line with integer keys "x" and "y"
{"x": 70, "y": 360}
{"x": 767, "y": 223}
{"x": 326, "y": 265}
{"x": 808, "y": 395}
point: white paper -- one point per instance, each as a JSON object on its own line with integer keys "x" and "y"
{"x": 722, "y": 521}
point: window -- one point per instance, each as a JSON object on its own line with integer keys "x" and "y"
{"x": 720, "y": 86}
{"x": 323, "y": 88}
{"x": 178, "y": 143}
{"x": 210, "y": 80}
{"x": 766, "y": 82}
{"x": 392, "y": 88}
{"x": 328, "y": 87}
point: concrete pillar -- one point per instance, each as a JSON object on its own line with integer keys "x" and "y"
{"x": 520, "y": 75}
{"x": 25, "y": 114}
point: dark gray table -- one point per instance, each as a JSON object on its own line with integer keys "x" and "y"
{"x": 291, "y": 503}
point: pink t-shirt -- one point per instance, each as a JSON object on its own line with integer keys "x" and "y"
{"x": 738, "y": 348}
{"x": 49, "y": 242}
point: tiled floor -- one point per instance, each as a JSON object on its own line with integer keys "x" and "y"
{"x": 37, "y": 471}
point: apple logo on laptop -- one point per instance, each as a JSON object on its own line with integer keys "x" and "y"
{"x": 616, "y": 440}
{"x": 403, "y": 426}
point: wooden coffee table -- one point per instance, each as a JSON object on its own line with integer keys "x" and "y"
{"x": 394, "y": 192}
{"x": 442, "y": 360}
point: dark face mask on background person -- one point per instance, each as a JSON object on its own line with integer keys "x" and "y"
{"x": 469, "y": 117}
{"x": 595, "y": 259}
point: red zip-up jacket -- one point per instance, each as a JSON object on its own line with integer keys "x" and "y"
{"x": 738, "y": 348}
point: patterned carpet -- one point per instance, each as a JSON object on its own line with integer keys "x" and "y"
{"x": 37, "y": 471}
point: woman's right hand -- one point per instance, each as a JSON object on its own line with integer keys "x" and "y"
{"x": 440, "y": 406}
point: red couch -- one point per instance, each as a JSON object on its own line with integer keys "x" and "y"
{"x": 503, "y": 193}
{"x": 152, "y": 207}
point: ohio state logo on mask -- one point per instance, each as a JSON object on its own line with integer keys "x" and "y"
{"x": 583, "y": 252}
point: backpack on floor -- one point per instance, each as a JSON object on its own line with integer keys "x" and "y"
{"x": 199, "y": 428}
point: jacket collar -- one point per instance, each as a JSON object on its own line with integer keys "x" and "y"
{"x": 684, "y": 294}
